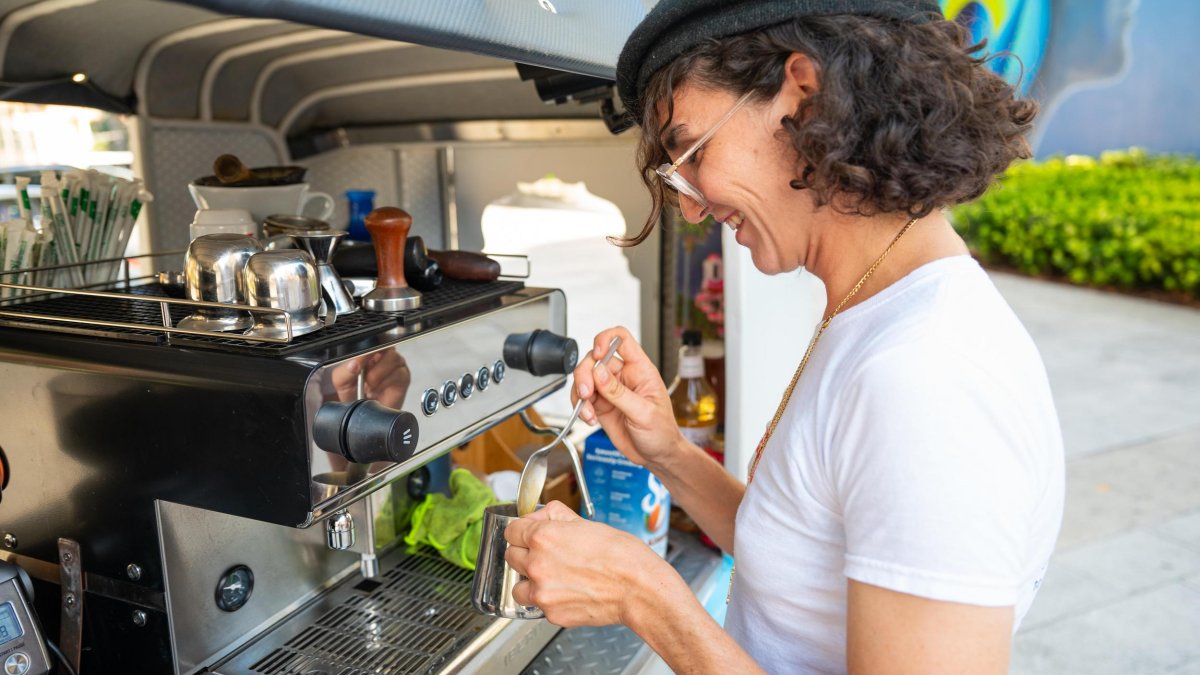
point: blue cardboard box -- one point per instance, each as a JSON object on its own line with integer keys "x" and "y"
{"x": 626, "y": 496}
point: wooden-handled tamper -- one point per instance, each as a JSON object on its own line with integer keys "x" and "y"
{"x": 389, "y": 228}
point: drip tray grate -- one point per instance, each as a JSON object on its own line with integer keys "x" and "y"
{"x": 411, "y": 623}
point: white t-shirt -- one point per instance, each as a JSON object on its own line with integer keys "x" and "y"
{"x": 920, "y": 453}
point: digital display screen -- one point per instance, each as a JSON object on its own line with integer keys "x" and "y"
{"x": 10, "y": 628}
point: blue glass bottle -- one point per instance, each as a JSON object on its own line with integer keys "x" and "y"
{"x": 361, "y": 203}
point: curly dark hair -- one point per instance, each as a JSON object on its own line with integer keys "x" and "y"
{"x": 906, "y": 119}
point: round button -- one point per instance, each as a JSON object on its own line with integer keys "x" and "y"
{"x": 234, "y": 588}
{"x": 17, "y": 664}
{"x": 498, "y": 371}
{"x": 466, "y": 385}
{"x": 429, "y": 401}
{"x": 483, "y": 378}
{"x": 449, "y": 394}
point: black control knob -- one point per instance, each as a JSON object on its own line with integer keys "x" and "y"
{"x": 540, "y": 352}
{"x": 366, "y": 431}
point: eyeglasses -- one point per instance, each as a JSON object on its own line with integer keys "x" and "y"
{"x": 670, "y": 172}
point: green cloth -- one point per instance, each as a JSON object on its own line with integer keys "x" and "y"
{"x": 453, "y": 525}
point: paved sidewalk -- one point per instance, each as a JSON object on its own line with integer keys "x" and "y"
{"x": 1122, "y": 594}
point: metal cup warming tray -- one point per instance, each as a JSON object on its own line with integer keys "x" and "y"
{"x": 141, "y": 310}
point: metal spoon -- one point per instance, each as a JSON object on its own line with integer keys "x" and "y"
{"x": 533, "y": 477}
{"x": 585, "y": 497}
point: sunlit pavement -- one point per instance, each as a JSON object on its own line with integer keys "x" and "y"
{"x": 1122, "y": 594}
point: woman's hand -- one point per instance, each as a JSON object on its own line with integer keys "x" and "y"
{"x": 628, "y": 399}
{"x": 583, "y": 573}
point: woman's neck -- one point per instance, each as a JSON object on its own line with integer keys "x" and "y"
{"x": 849, "y": 246}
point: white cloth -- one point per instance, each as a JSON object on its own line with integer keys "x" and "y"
{"x": 920, "y": 453}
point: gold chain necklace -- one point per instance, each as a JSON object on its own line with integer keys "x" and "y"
{"x": 787, "y": 394}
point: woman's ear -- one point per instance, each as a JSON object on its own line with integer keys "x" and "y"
{"x": 799, "y": 83}
{"x": 800, "y": 74}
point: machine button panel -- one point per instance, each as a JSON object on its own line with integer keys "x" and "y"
{"x": 430, "y": 401}
{"x": 467, "y": 384}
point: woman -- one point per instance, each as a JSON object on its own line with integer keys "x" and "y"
{"x": 907, "y": 494}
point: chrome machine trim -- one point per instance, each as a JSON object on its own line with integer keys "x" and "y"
{"x": 474, "y": 342}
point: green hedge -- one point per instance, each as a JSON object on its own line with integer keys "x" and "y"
{"x": 1127, "y": 220}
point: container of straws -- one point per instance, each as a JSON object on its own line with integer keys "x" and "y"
{"x": 84, "y": 216}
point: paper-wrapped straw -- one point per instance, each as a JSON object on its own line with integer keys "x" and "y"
{"x": 20, "y": 239}
{"x": 128, "y": 216}
{"x": 68, "y": 252}
{"x": 12, "y": 243}
{"x": 23, "y": 205}
{"x": 87, "y": 223}
{"x": 119, "y": 207}
{"x": 42, "y": 252}
{"x": 75, "y": 184}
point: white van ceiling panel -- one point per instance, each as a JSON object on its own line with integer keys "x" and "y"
{"x": 428, "y": 104}
{"x": 232, "y": 85}
{"x": 399, "y": 62}
{"x": 276, "y": 61}
{"x": 177, "y": 73}
{"x": 103, "y": 39}
{"x": 579, "y": 36}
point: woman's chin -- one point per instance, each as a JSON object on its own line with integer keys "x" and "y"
{"x": 764, "y": 264}
{"x": 770, "y": 264}
{"x": 763, "y": 261}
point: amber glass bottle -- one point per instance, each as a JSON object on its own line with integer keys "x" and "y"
{"x": 692, "y": 398}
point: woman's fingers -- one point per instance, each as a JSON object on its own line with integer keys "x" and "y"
{"x": 520, "y": 532}
{"x": 630, "y": 351}
{"x": 523, "y": 593}
{"x": 517, "y": 532}
{"x": 517, "y": 558}
{"x": 585, "y": 387}
{"x": 628, "y": 384}
{"x": 558, "y": 512}
{"x": 610, "y": 387}
{"x": 575, "y": 570}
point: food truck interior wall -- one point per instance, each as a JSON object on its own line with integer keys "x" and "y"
{"x": 411, "y": 175}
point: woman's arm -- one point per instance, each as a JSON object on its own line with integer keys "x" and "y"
{"x": 678, "y": 629}
{"x": 892, "y": 632}
{"x": 582, "y": 573}
{"x": 703, "y": 488}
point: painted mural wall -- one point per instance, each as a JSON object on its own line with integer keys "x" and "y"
{"x": 1108, "y": 73}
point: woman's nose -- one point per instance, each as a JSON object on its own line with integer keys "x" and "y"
{"x": 693, "y": 210}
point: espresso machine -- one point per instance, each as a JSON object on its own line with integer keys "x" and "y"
{"x": 190, "y": 502}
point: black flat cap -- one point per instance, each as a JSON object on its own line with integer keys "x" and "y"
{"x": 675, "y": 26}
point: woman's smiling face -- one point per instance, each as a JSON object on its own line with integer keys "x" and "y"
{"x": 743, "y": 170}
